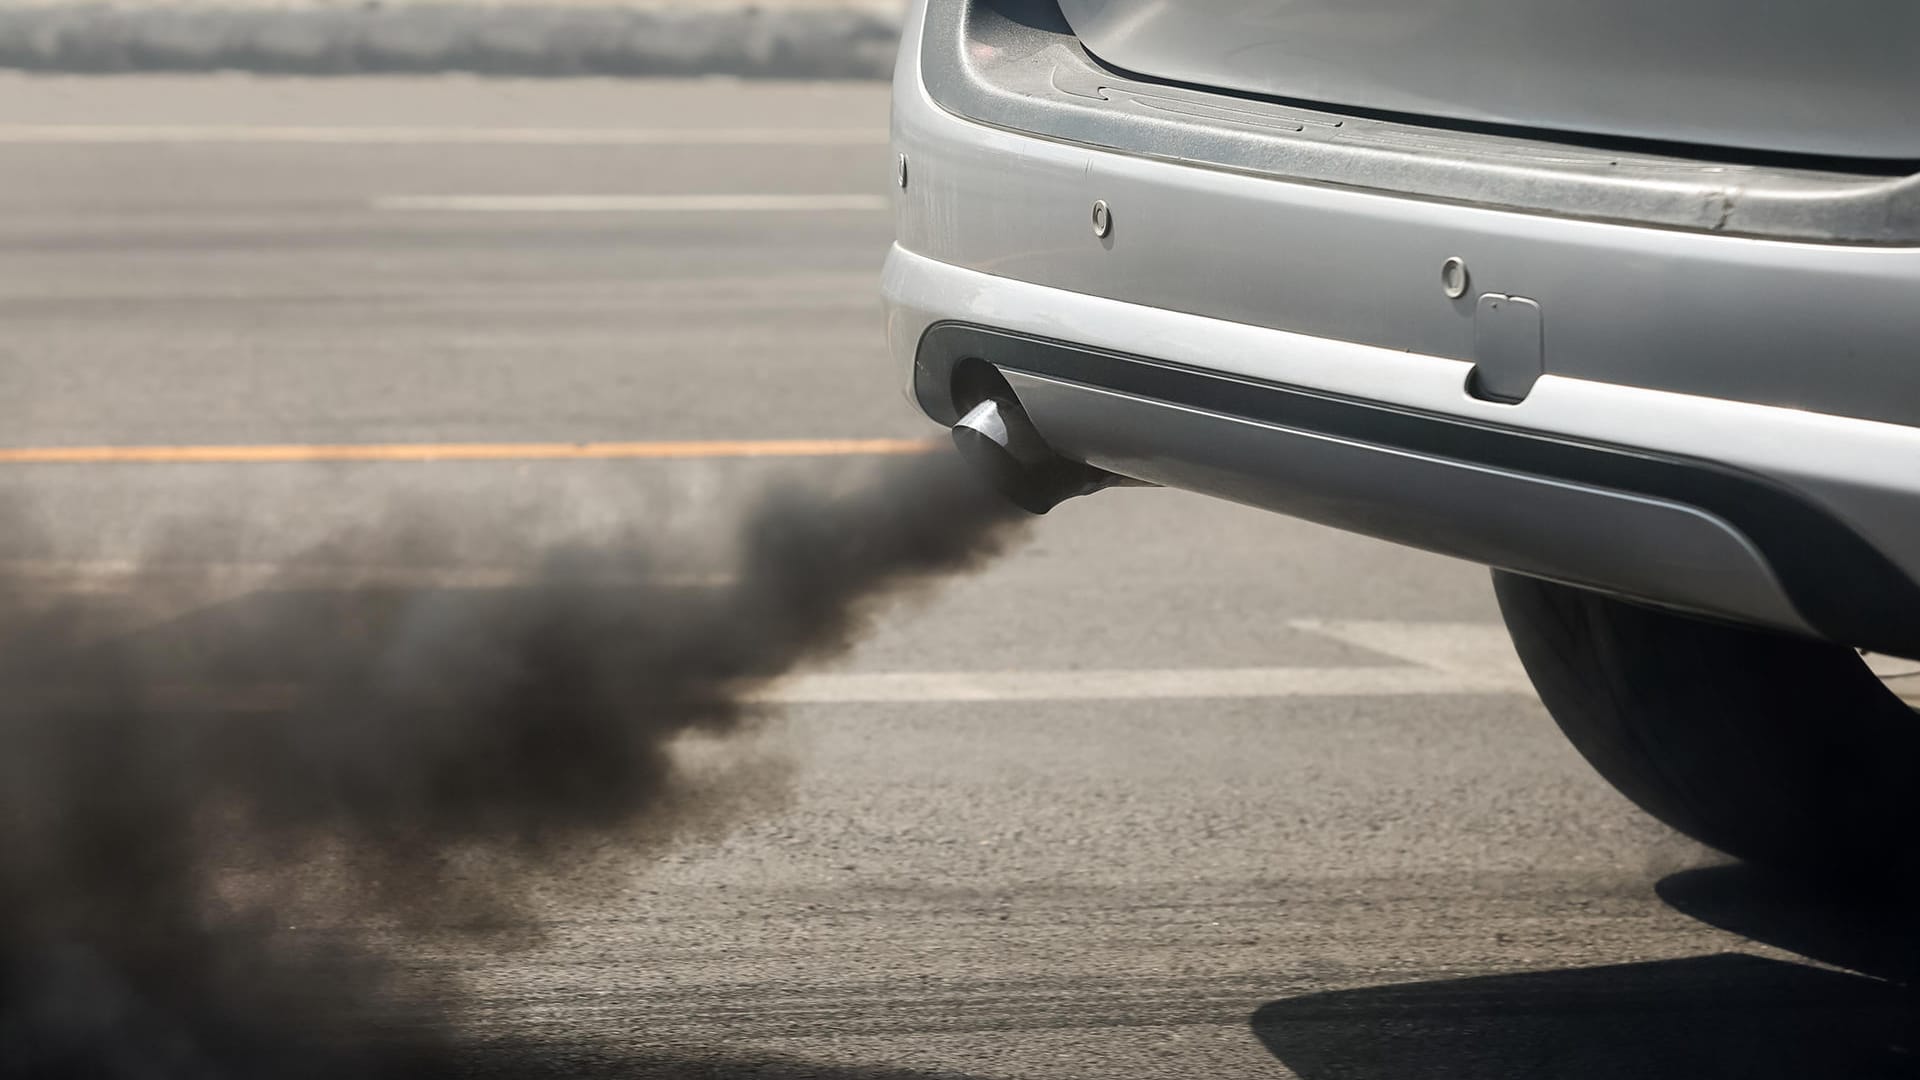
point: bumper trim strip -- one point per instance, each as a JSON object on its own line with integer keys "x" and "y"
{"x": 1840, "y": 583}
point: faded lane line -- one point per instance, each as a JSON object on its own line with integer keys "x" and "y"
{"x": 1132, "y": 685}
{"x": 1479, "y": 668}
{"x": 417, "y": 452}
{"x": 1475, "y": 650}
{"x": 653, "y": 204}
{"x": 110, "y": 576}
{"x": 1438, "y": 659}
{"x": 936, "y": 687}
{"x": 438, "y": 135}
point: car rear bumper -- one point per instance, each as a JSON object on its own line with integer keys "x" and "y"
{"x": 1719, "y": 423}
{"x": 1750, "y": 533}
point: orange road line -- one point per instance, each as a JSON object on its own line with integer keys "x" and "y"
{"x": 416, "y": 452}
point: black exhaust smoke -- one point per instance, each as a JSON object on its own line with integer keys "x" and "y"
{"x": 172, "y": 800}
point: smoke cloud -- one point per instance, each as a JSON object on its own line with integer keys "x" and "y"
{"x": 174, "y": 796}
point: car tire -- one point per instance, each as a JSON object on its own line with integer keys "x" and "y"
{"x": 1783, "y": 751}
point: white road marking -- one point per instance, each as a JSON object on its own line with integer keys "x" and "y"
{"x": 1128, "y": 684}
{"x": 435, "y": 135}
{"x": 975, "y": 687}
{"x": 167, "y": 591}
{"x": 1440, "y": 658}
{"x": 110, "y": 576}
{"x": 663, "y": 204}
{"x": 1436, "y": 658}
{"x": 1481, "y": 651}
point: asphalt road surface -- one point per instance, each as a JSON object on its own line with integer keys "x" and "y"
{"x": 1177, "y": 789}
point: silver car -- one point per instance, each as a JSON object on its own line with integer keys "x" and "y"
{"x": 1622, "y": 300}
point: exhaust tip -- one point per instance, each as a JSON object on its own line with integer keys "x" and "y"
{"x": 998, "y": 439}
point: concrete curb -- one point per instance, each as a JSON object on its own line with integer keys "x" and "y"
{"x": 819, "y": 42}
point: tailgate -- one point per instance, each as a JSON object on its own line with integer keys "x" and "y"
{"x": 1821, "y": 77}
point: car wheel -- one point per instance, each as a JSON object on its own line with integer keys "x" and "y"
{"x": 1783, "y": 751}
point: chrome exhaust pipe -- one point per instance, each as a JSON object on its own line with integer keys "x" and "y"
{"x": 998, "y": 439}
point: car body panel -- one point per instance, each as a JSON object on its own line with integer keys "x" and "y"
{"x": 1530, "y": 524}
{"x": 1831, "y": 78}
{"x": 1828, "y": 327}
{"x": 1014, "y": 64}
{"x": 1785, "y": 366}
{"x": 1859, "y": 473}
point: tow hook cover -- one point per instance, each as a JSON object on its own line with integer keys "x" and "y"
{"x": 1508, "y": 348}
